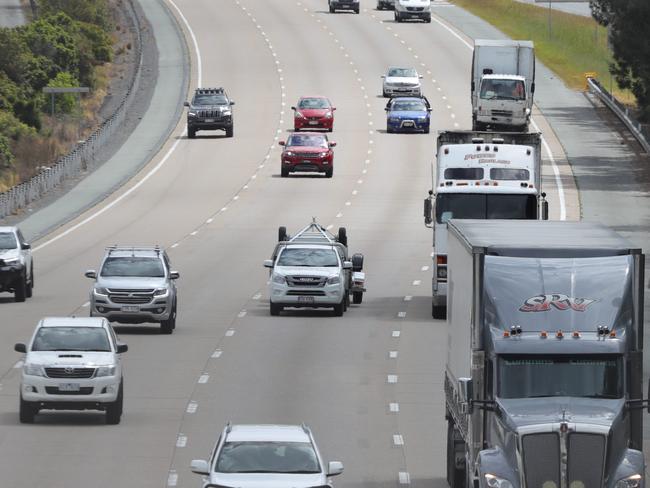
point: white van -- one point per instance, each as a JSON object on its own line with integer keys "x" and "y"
{"x": 413, "y": 9}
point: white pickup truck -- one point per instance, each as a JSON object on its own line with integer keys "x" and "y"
{"x": 313, "y": 270}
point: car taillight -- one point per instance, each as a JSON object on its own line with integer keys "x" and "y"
{"x": 441, "y": 259}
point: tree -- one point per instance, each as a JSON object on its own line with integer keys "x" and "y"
{"x": 628, "y": 22}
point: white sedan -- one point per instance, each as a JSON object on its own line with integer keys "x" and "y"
{"x": 401, "y": 82}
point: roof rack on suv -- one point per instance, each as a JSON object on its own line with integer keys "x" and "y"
{"x": 218, "y": 90}
{"x": 314, "y": 233}
{"x": 133, "y": 249}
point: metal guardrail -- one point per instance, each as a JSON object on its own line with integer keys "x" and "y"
{"x": 83, "y": 155}
{"x": 640, "y": 131}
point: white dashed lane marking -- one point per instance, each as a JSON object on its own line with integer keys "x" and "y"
{"x": 392, "y": 354}
{"x": 217, "y": 354}
{"x": 396, "y": 333}
{"x": 181, "y": 441}
{"x": 401, "y": 315}
{"x": 398, "y": 440}
{"x": 192, "y": 407}
{"x": 172, "y": 479}
{"x": 404, "y": 478}
{"x": 391, "y": 378}
{"x": 230, "y": 332}
{"x": 393, "y": 407}
{"x": 203, "y": 379}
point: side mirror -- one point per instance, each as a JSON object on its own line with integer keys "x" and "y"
{"x": 420, "y": 76}
{"x": 648, "y": 394}
{"x": 428, "y": 109}
{"x": 331, "y": 144}
{"x": 386, "y": 109}
{"x": 383, "y": 76}
{"x": 532, "y": 88}
{"x": 334, "y": 468}
{"x": 544, "y": 207}
{"x": 24, "y": 246}
{"x": 186, "y": 104}
{"x": 174, "y": 275}
{"x": 465, "y": 391}
{"x": 293, "y": 108}
{"x": 232, "y": 102}
{"x": 282, "y": 143}
{"x": 268, "y": 263}
{"x": 347, "y": 264}
{"x": 473, "y": 86}
{"x": 333, "y": 108}
{"x": 122, "y": 348}
{"x": 200, "y": 466}
{"x": 91, "y": 273}
{"x": 428, "y": 209}
{"x": 20, "y": 347}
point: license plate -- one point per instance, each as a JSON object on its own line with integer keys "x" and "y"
{"x": 306, "y": 161}
{"x": 69, "y": 387}
{"x": 313, "y": 122}
{"x": 209, "y": 120}
{"x": 408, "y": 124}
{"x": 306, "y": 299}
{"x": 130, "y": 308}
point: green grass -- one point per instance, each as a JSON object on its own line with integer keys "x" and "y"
{"x": 573, "y": 46}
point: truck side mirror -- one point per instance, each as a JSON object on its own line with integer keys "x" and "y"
{"x": 466, "y": 393}
{"x": 544, "y": 206}
{"x": 186, "y": 104}
{"x": 473, "y": 86}
{"x": 648, "y": 394}
{"x": 428, "y": 209}
{"x": 532, "y": 88}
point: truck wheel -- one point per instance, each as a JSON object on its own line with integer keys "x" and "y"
{"x": 282, "y": 234}
{"x": 439, "y": 311}
{"x": 357, "y": 297}
{"x": 191, "y": 133}
{"x": 29, "y": 291}
{"x": 275, "y": 309}
{"x": 338, "y": 308}
{"x": 27, "y": 411}
{"x": 357, "y": 262}
{"x": 343, "y": 236}
{"x": 230, "y": 131}
{"x": 114, "y": 409}
{"x": 20, "y": 290}
{"x": 455, "y": 473}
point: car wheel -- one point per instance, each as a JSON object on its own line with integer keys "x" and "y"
{"x": 380, "y": 6}
{"x": 356, "y": 10}
{"x": 439, "y": 311}
{"x": 230, "y": 131}
{"x": 342, "y": 236}
{"x": 27, "y": 411}
{"x": 331, "y": 9}
{"x": 20, "y": 290}
{"x": 114, "y": 409}
{"x": 389, "y": 130}
{"x": 191, "y": 133}
{"x": 357, "y": 297}
{"x": 29, "y": 291}
{"x": 329, "y": 172}
{"x": 284, "y": 172}
{"x": 276, "y": 309}
{"x": 384, "y": 94}
{"x": 330, "y": 129}
{"x": 427, "y": 130}
{"x": 168, "y": 326}
{"x": 338, "y": 308}
{"x": 427, "y": 20}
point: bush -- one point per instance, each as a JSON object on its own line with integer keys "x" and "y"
{"x": 64, "y": 102}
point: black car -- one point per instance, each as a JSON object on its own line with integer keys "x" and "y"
{"x": 210, "y": 109}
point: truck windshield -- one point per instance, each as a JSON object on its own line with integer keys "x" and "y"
{"x": 484, "y": 206}
{"x": 492, "y": 89}
{"x": 533, "y": 376}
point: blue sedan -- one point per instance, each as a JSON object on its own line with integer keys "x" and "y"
{"x": 412, "y": 114}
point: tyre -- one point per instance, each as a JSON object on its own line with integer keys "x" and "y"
{"x": 342, "y": 236}
{"x": 329, "y": 173}
{"x": 191, "y": 133}
{"x": 455, "y": 474}
{"x": 284, "y": 172}
{"x": 380, "y": 6}
{"x": 20, "y": 290}
{"x": 114, "y": 409}
{"x": 427, "y": 130}
{"x": 357, "y": 297}
{"x": 357, "y": 262}
{"x": 356, "y": 10}
{"x": 27, "y": 411}
{"x": 346, "y": 302}
{"x": 427, "y": 20}
{"x": 331, "y": 9}
{"x": 398, "y": 17}
{"x": 384, "y": 94}
{"x": 29, "y": 291}
{"x": 389, "y": 130}
{"x": 339, "y": 308}
{"x": 230, "y": 131}
{"x": 282, "y": 234}
{"x": 330, "y": 129}
{"x": 439, "y": 311}
{"x": 275, "y": 309}
{"x": 168, "y": 326}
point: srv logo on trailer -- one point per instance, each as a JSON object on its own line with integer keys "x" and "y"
{"x": 543, "y": 303}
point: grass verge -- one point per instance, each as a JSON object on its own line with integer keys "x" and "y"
{"x": 570, "y": 45}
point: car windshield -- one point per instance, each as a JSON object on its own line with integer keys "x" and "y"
{"x": 8, "y": 240}
{"x": 314, "y": 103}
{"x": 402, "y": 72}
{"x": 409, "y": 106}
{"x": 267, "y": 457}
{"x": 307, "y": 140}
{"x": 210, "y": 99}
{"x": 133, "y": 266}
{"x": 308, "y": 257}
{"x": 551, "y": 376}
{"x": 484, "y": 206}
{"x": 71, "y": 339}
{"x": 503, "y": 90}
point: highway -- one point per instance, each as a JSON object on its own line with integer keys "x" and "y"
{"x": 369, "y": 383}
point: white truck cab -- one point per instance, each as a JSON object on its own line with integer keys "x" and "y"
{"x": 412, "y": 9}
{"x": 481, "y": 176}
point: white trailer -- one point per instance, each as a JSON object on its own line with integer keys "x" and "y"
{"x": 481, "y": 175}
{"x": 503, "y": 84}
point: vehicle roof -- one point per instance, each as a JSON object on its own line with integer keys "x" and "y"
{"x": 308, "y": 134}
{"x": 410, "y": 99}
{"x": 497, "y": 76}
{"x": 502, "y": 43}
{"x": 267, "y": 432}
{"x": 539, "y": 238}
{"x": 505, "y": 187}
{"x": 8, "y": 228}
{"x": 402, "y": 67}
{"x": 314, "y": 96}
{"x": 72, "y": 322}
{"x": 140, "y": 252}
{"x": 310, "y": 245}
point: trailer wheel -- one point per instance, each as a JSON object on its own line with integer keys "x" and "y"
{"x": 455, "y": 448}
{"x": 282, "y": 233}
{"x": 343, "y": 236}
{"x": 357, "y": 297}
{"x": 439, "y": 311}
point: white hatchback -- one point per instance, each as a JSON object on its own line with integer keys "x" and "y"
{"x": 72, "y": 363}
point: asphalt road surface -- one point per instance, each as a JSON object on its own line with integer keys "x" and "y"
{"x": 369, "y": 383}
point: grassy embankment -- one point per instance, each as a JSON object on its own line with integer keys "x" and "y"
{"x": 573, "y": 46}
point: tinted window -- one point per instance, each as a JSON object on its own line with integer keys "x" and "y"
{"x": 313, "y": 103}
{"x": 133, "y": 266}
{"x": 306, "y": 140}
{"x": 8, "y": 240}
{"x": 308, "y": 257}
{"x": 485, "y": 206}
{"x": 464, "y": 174}
{"x": 402, "y": 72}
{"x": 210, "y": 99}
{"x": 509, "y": 174}
{"x": 71, "y": 339}
{"x": 409, "y": 106}
{"x": 267, "y": 457}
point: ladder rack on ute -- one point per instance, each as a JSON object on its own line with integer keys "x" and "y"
{"x": 314, "y": 233}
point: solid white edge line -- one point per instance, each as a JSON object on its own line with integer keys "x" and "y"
{"x": 547, "y": 148}
{"x": 153, "y": 170}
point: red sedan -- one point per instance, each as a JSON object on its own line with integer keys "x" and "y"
{"x": 307, "y": 152}
{"x": 313, "y": 113}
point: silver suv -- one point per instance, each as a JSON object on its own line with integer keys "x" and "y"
{"x": 16, "y": 265}
{"x": 135, "y": 285}
{"x": 266, "y": 456}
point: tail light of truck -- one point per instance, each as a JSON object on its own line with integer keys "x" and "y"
{"x": 441, "y": 259}
{"x": 441, "y": 270}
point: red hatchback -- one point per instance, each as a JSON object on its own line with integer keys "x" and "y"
{"x": 313, "y": 113}
{"x": 307, "y": 152}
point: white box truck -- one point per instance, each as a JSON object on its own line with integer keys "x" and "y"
{"x": 503, "y": 84}
{"x": 481, "y": 175}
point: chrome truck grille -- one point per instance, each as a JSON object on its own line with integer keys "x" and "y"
{"x": 545, "y": 466}
{"x": 128, "y": 297}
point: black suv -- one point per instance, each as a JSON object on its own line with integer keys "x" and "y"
{"x": 210, "y": 109}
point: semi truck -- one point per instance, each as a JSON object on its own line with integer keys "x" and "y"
{"x": 481, "y": 175}
{"x": 503, "y": 84}
{"x": 543, "y": 381}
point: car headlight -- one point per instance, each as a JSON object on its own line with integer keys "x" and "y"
{"x": 100, "y": 291}
{"x": 191, "y": 114}
{"x": 37, "y": 370}
{"x": 323, "y": 154}
{"x": 105, "y": 371}
{"x": 15, "y": 260}
{"x": 328, "y": 115}
{"x": 333, "y": 280}
{"x": 496, "y": 482}
{"x": 299, "y": 115}
{"x": 159, "y": 291}
{"x": 227, "y": 112}
{"x": 289, "y": 153}
{"x": 634, "y": 481}
{"x": 279, "y": 279}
